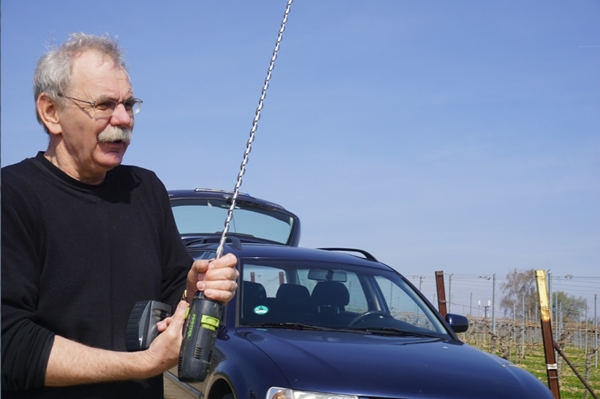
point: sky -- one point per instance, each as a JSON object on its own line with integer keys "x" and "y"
{"x": 461, "y": 136}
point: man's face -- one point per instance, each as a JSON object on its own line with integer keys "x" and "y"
{"x": 94, "y": 78}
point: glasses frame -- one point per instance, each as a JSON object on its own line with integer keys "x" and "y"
{"x": 135, "y": 109}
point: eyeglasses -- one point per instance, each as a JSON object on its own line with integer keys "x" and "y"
{"x": 106, "y": 108}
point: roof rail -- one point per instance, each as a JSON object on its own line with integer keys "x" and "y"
{"x": 363, "y": 252}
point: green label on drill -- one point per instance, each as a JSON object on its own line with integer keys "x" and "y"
{"x": 191, "y": 326}
{"x": 209, "y": 322}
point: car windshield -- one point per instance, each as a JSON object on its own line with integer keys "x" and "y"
{"x": 207, "y": 217}
{"x": 301, "y": 294}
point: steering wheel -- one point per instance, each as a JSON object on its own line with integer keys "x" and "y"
{"x": 370, "y": 313}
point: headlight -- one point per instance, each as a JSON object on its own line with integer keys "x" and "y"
{"x": 285, "y": 393}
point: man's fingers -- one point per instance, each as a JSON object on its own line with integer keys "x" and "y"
{"x": 222, "y": 279}
{"x": 219, "y": 295}
{"x": 215, "y": 267}
{"x": 178, "y": 317}
{"x": 224, "y": 284}
{"x": 216, "y": 277}
{"x": 225, "y": 261}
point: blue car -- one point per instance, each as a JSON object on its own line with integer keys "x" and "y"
{"x": 338, "y": 324}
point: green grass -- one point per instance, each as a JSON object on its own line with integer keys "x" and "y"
{"x": 570, "y": 385}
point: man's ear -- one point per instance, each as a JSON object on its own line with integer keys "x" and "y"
{"x": 48, "y": 111}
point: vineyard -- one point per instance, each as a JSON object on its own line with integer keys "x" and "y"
{"x": 521, "y": 343}
{"x": 504, "y": 319}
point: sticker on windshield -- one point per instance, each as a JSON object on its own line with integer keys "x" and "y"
{"x": 261, "y": 309}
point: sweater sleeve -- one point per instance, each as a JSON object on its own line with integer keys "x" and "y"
{"x": 25, "y": 344}
{"x": 176, "y": 260}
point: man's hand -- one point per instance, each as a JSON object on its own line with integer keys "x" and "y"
{"x": 216, "y": 278}
{"x": 163, "y": 352}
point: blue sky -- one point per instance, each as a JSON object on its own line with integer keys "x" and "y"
{"x": 461, "y": 136}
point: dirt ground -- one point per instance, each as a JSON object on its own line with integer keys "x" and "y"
{"x": 172, "y": 391}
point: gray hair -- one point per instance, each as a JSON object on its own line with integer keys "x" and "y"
{"x": 53, "y": 71}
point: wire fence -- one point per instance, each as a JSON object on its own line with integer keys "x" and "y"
{"x": 512, "y": 333}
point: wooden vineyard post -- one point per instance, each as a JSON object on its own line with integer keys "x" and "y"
{"x": 551, "y": 366}
{"x": 441, "y": 292}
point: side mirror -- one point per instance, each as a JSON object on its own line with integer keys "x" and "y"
{"x": 457, "y": 322}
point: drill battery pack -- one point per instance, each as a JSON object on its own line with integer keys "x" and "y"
{"x": 141, "y": 327}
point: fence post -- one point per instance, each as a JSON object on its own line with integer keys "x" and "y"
{"x": 450, "y": 292}
{"x": 494, "y": 304}
{"x": 551, "y": 367}
{"x": 471, "y": 304}
{"x": 523, "y": 328}
{"x": 441, "y": 292}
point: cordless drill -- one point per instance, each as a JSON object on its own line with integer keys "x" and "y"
{"x": 199, "y": 336}
{"x": 199, "y": 333}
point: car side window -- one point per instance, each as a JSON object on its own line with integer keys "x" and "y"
{"x": 401, "y": 305}
{"x": 358, "y": 301}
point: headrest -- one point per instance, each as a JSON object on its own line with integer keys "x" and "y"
{"x": 253, "y": 291}
{"x": 293, "y": 293}
{"x": 331, "y": 293}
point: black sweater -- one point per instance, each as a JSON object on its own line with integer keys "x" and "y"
{"x": 75, "y": 259}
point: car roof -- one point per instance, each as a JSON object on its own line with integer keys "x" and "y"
{"x": 253, "y": 250}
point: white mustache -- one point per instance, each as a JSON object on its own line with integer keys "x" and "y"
{"x": 115, "y": 133}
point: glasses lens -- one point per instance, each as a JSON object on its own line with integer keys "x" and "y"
{"x": 105, "y": 108}
{"x": 137, "y": 105}
{"x": 133, "y": 106}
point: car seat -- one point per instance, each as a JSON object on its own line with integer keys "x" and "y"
{"x": 292, "y": 302}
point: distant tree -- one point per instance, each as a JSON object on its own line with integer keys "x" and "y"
{"x": 520, "y": 286}
{"x": 570, "y": 308}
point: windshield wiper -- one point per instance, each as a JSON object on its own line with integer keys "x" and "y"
{"x": 292, "y": 326}
{"x": 365, "y": 330}
{"x": 399, "y": 332}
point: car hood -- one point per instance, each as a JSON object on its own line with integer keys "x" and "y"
{"x": 392, "y": 367}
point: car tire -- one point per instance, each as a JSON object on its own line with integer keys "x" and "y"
{"x": 228, "y": 396}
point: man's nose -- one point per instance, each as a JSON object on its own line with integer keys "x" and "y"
{"x": 121, "y": 117}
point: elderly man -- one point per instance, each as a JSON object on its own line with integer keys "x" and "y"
{"x": 85, "y": 237}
